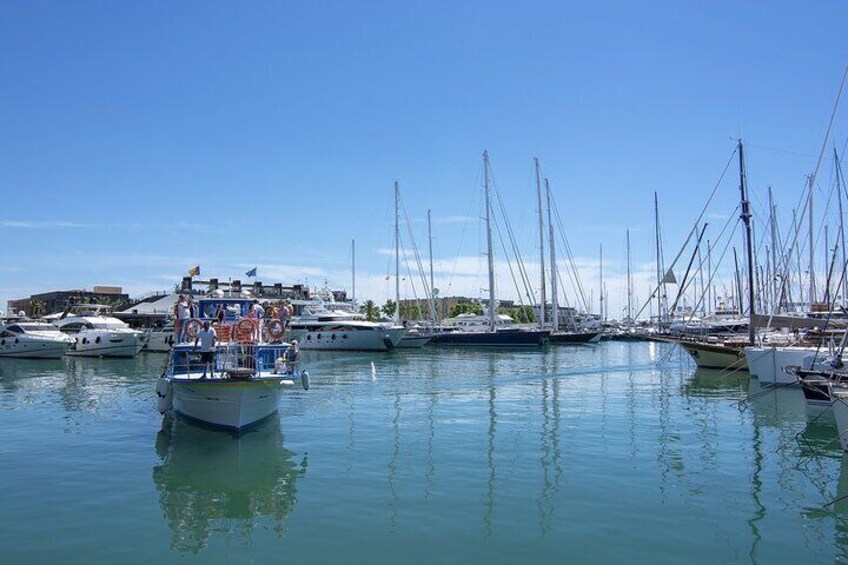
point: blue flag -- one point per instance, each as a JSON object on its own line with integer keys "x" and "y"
{"x": 194, "y": 271}
{"x": 251, "y": 272}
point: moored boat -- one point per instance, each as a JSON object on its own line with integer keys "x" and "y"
{"x": 32, "y": 340}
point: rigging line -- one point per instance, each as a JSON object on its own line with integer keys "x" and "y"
{"x": 712, "y": 275}
{"x": 525, "y": 278}
{"x": 697, "y": 221}
{"x": 472, "y": 199}
{"x": 511, "y": 270}
{"x": 414, "y": 246}
{"x": 574, "y": 277}
{"x": 734, "y": 220}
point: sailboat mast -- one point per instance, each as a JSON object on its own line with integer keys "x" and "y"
{"x": 353, "y": 269}
{"x": 492, "y": 304}
{"x": 660, "y": 284}
{"x": 432, "y": 288}
{"x": 541, "y": 242}
{"x": 775, "y": 290}
{"x": 812, "y": 243}
{"x": 749, "y": 252}
{"x": 601, "y": 282}
{"x": 841, "y": 222}
{"x": 629, "y": 284}
{"x": 397, "y": 253}
{"x": 554, "y": 304}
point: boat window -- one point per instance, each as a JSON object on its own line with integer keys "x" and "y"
{"x": 15, "y": 329}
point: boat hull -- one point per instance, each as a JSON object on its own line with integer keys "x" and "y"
{"x": 840, "y": 413}
{"x": 493, "y": 339}
{"x": 34, "y": 350}
{"x": 714, "y": 356}
{"x": 413, "y": 342}
{"x": 347, "y": 340}
{"x": 107, "y": 344}
{"x": 769, "y": 364}
{"x": 226, "y": 403}
{"x": 575, "y": 337}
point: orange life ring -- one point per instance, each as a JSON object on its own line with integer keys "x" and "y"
{"x": 192, "y": 327}
{"x": 275, "y": 329}
{"x": 245, "y": 326}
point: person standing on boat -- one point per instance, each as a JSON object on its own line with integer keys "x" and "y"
{"x": 220, "y": 314}
{"x": 285, "y": 313}
{"x": 292, "y": 357}
{"x": 206, "y": 337}
{"x": 260, "y": 311}
{"x": 183, "y": 314}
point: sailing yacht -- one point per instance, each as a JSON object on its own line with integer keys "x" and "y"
{"x": 496, "y": 332}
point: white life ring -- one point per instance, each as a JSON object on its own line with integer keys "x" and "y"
{"x": 275, "y": 329}
{"x": 192, "y": 327}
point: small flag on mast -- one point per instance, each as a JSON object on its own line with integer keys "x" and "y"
{"x": 669, "y": 278}
{"x": 194, "y": 271}
{"x": 251, "y": 272}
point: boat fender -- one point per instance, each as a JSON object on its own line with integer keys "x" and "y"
{"x": 164, "y": 394}
{"x": 304, "y": 379}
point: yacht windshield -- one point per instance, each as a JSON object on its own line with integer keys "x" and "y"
{"x": 37, "y": 327}
{"x": 109, "y": 325}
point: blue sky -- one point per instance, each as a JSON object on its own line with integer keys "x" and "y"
{"x": 138, "y": 139}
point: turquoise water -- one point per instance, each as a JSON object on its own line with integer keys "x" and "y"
{"x": 575, "y": 453}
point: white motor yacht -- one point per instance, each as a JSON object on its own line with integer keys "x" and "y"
{"x": 31, "y": 339}
{"x": 160, "y": 339}
{"x": 100, "y": 336}
{"x": 320, "y": 328}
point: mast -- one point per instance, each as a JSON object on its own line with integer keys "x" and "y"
{"x": 397, "y": 253}
{"x": 601, "y": 282}
{"x": 629, "y": 285}
{"x": 660, "y": 284}
{"x": 811, "y": 180}
{"x": 749, "y": 253}
{"x": 541, "y": 242}
{"x": 554, "y": 304}
{"x": 353, "y": 269}
{"x": 492, "y": 305}
{"x": 432, "y": 288}
{"x": 841, "y": 222}
{"x": 775, "y": 291}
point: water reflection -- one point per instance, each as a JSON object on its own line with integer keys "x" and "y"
{"x": 776, "y": 405}
{"x": 716, "y": 383}
{"x": 213, "y": 481}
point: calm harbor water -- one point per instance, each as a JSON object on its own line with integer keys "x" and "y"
{"x": 607, "y": 453}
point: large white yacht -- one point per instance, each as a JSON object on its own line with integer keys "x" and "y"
{"x": 33, "y": 340}
{"x": 335, "y": 327}
{"x": 97, "y": 334}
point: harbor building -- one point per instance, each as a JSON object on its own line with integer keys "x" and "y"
{"x": 60, "y": 300}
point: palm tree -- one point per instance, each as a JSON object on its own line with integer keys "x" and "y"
{"x": 389, "y": 308}
{"x": 372, "y": 312}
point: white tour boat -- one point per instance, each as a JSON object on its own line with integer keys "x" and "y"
{"x": 246, "y": 376}
{"x": 32, "y": 340}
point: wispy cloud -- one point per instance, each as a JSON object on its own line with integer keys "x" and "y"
{"x": 30, "y": 224}
{"x": 66, "y": 224}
